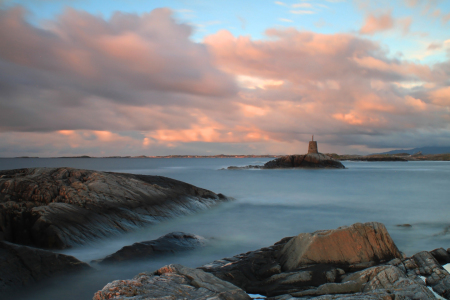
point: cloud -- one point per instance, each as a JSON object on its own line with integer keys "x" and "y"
{"x": 446, "y": 18}
{"x": 374, "y": 24}
{"x": 285, "y": 20}
{"x": 302, "y": 5}
{"x": 434, "y": 46}
{"x": 84, "y": 72}
{"x": 412, "y": 3}
{"x": 333, "y": 86}
{"x": 137, "y": 84}
{"x": 280, "y": 3}
{"x": 302, "y": 12}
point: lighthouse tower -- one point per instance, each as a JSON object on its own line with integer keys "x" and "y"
{"x": 312, "y": 146}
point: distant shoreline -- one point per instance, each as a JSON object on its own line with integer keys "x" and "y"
{"x": 344, "y": 157}
{"x": 161, "y": 156}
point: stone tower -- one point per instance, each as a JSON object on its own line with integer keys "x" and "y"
{"x": 312, "y": 146}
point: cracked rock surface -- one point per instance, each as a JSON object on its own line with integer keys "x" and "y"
{"x": 63, "y": 207}
{"x": 172, "y": 282}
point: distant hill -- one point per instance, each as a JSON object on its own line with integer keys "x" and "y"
{"x": 424, "y": 150}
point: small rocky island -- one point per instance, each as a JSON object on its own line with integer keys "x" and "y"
{"x": 58, "y": 208}
{"x": 312, "y": 160}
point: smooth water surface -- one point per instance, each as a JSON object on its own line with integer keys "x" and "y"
{"x": 269, "y": 205}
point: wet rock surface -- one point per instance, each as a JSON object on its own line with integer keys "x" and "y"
{"x": 21, "y": 266}
{"x": 63, "y": 207}
{"x": 168, "y": 244}
{"x": 172, "y": 282}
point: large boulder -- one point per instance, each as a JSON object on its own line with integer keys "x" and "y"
{"x": 172, "y": 282}
{"x": 310, "y": 160}
{"x": 21, "y": 266}
{"x": 63, "y": 207}
{"x": 308, "y": 260}
{"x": 359, "y": 244}
{"x": 168, "y": 244}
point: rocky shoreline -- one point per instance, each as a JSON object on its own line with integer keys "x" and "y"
{"x": 63, "y": 207}
{"x": 356, "y": 262}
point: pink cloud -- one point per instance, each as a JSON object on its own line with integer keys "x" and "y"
{"x": 138, "y": 84}
{"x": 374, "y": 24}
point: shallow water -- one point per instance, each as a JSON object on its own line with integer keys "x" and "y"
{"x": 269, "y": 205}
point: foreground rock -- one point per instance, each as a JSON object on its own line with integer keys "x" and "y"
{"x": 172, "y": 282}
{"x": 21, "y": 266}
{"x": 356, "y": 246}
{"x": 62, "y": 207}
{"x": 356, "y": 262}
{"x": 168, "y": 244}
{"x": 307, "y": 260}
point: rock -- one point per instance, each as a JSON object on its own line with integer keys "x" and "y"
{"x": 308, "y": 261}
{"x": 168, "y": 244}
{"x": 404, "y": 225}
{"x": 63, "y": 207}
{"x": 21, "y": 266}
{"x": 310, "y": 160}
{"x": 441, "y": 256}
{"x": 243, "y": 168}
{"x": 383, "y": 282}
{"x": 172, "y": 282}
{"x": 424, "y": 264}
{"x": 357, "y": 246}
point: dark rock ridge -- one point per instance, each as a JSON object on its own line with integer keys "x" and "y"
{"x": 21, "y": 266}
{"x": 310, "y": 161}
{"x": 356, "y": 262}
{"x": 62, "y": 207}
{"x": 168, "y": 244}
{"x": 172, "y": 282}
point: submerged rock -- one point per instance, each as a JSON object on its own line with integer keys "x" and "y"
{"x": 172, "y": 282}
{"x": 62, "y": 207}
{"x": 168, "y": 244}
{"x": 21, "y": 266}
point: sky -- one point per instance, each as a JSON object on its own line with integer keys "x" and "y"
{"x": 141, "y": 77}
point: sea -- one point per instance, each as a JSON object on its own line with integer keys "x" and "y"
{"x": 268, "y": 205}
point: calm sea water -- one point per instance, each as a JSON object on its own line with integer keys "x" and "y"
{"x": 269, "y": 205}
